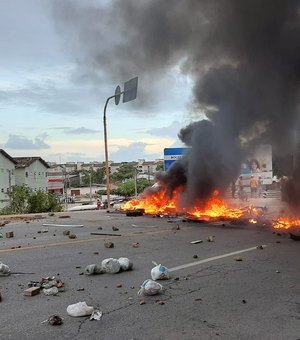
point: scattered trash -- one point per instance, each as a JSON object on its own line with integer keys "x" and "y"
{"x": 176, "y": 228}
{"x": 195, "y": 256}
{"x": 150, "y": 287}
{"x": 66, "y": 232}
{"x": 55, "y": 320}
{"x": 44, "y": 230}
{"x": 96, "y": 315}
{"x": 9, "y": 234}
{"x": 4, "y": 269}
{"x": 244, "y": 301}
{"x": 159, "y": 272}
{"x": 31, "y": 291}
{"x": 51, "y": 291}
{"x": 115, "y": 228}
{"x": 93, "y": 269}
{"x": 0, "y": 297}
{"x": 125, "y": 263}
{"x": 1, "y": 233}
{"x": 72, "y": 235}
{"x": 259, "y": 247}
{"x": 277, "y": 271}
{"x": 80, "y": 289}
{"x": 238, "y": 258}
{"x": 135, "y": 245}
{"x": 111, "y": 266}
{"x": 197, "y": 241}
{"x": 119, "y": 285}
{"x": 142, "y": 302}
{"x": 64, "y": 216}
{"x": 144, "y": 226}
{"x": 80, "y": 309}
{"x": 211, "y": 239}
{"x": 63, "y": 225}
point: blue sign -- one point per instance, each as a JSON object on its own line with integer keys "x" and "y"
{"x": 171, "y": 155}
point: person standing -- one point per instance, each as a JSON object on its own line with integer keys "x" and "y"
{"x": 253, "y": 186}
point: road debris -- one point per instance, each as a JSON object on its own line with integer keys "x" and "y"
{"x": 295, "y": 237}
{"x": 9, "y": 234}
{"x": 135, "y": 245}
{"x": 115, "y": 228}
{"x": 125, "y": 263}
{"x": 238, "y": 258}
{"x": 144, "y": 226}
{"x": 195, "y": 256}
{"x": 80, "y": 309}
{"x": 176, "y": 228}
{"x": 160, "y": 302}
{"x": 62, "y": 225}
{"x": 159, "y": 272}
{"x": 31, "y": 291}
{"x": 66, "y": 232}
{"x": 109, "y": 244}
{"x": 4, "y": 269}
{"x": 0, "y": 297}
{"x": 150, "y": 287}
{"x": 51, "y": 291}
{"x": 260, "y": 247}
{"x": 96, "y": 315}
{"x": 142, "y": 302}
{"x": 55, "y": 320}
{"x": 64, "y": 216}
{"x": 196, "y": 242}
{"x": 72, "y": 235}
{"x": 105, "y": 234}
{"x": 111, "y": 265}
{"x": 211, "y": 238}
{"x": 92, "y": 269}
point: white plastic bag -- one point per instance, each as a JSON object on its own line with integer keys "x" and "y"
{"x": 125, "y": 263}
{"x": 111, "y": 266}
{"x": 4, "y": 269}
{"x": 51, "y": 291}
{"x": 159, "y": 272}
{"x": 80, "y": 309}
{"x": 150, "y": 287}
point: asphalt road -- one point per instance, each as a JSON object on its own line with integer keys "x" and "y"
{"x": 210, "y": 295}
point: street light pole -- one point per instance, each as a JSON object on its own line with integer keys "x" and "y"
{"x": 130, "y": 92}
{"x": 106, "y": 154}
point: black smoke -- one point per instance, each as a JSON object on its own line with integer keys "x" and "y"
{"x": 243, "y": 57}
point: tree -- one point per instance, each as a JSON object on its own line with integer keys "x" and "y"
{"x": 127, "y": 189}
{"x": 126, "y": 171}
{"x": 160, "y": 167}
{"x": 92, "y": 176}
{"x": 23, "y": 200}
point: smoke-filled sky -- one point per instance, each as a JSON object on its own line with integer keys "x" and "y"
{"x": 235, "y": 61}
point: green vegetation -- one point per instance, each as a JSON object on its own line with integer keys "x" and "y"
{"x": 92, "y": 176}
{"x": 25, "y": 201}
{"x": 127, "y": 189}
{"x": 125, "y": 172}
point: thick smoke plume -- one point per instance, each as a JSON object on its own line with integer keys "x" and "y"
{"x": 244, "y": 59}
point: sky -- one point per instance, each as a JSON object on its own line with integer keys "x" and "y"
{"x": 51, "y": 108}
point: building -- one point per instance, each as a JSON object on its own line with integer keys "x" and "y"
{"x": 7, "y": 177}
{"x": 32, "y": 172}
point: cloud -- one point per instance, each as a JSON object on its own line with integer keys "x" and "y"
{"x": 167, "y": 131}
{"x": 22, "y": 143}
{"x": 80, "y": 131}
{"x": 133, "y": 152}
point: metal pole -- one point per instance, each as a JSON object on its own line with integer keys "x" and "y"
{"x": 90, "y": 186}
{"x": 106, "y": 154}
{"x": 135, "y": 182}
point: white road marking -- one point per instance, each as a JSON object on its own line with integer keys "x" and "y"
{"x": 196, "y": 263}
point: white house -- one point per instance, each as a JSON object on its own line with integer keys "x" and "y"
{"x": 32, "y": 171}
{"x": 7, "y": 177}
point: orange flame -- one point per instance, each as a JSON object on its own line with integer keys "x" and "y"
{"x": 160, "y": 203}
{"x": 286, "y": 223}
